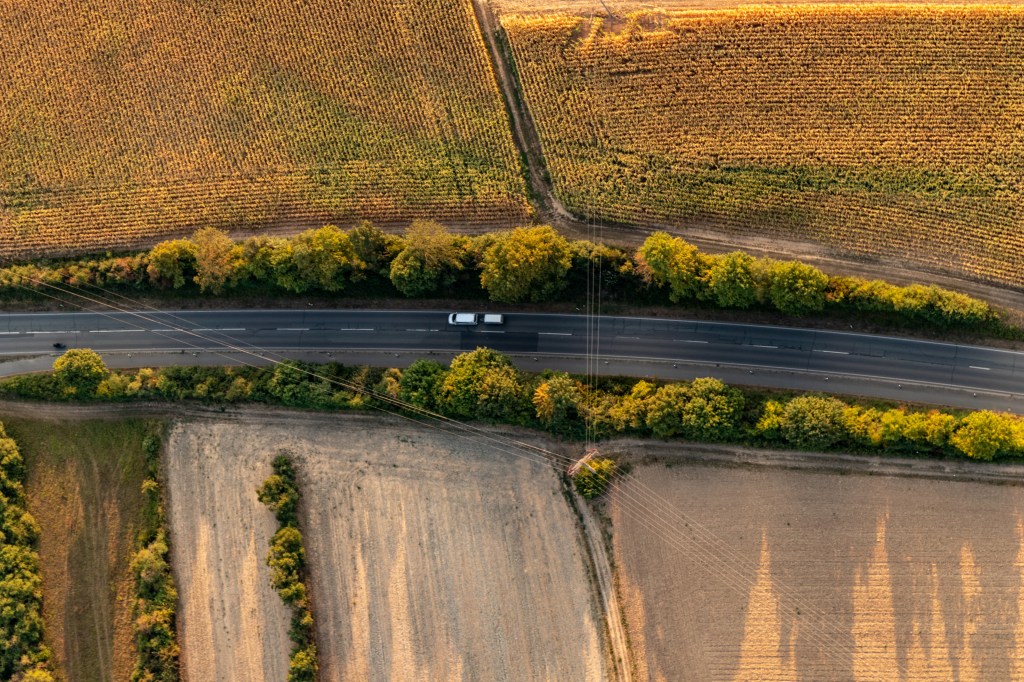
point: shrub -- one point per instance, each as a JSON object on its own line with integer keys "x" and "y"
{"x": 483, "y": 384}
{"x": 558, "y": 401}
{"x": 814, "y": 422}
{"x": 287, "y": 562}
{"x": 430, "y": 261}
{"x": 21, "y": 619}
{"x": 526, "y": 264}
{"x": 594, "y": 476}
{"x": 79, "y": 372}
{"x": 156, "y": 598}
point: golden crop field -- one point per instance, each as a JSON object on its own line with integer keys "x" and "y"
{"x": 878, "y": 130}
{"x": 125, "y": 122}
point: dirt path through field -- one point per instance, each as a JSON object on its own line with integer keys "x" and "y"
{"x": 231, "y": 625}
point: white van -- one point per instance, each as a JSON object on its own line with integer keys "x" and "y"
{"x": 463, "y": 318}
{"x": 494, "y": 318}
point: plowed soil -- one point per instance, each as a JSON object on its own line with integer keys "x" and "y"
{"x": 431, "y": 557}
{"x": 770, "y": 575}
{"x": 231, "y": 624}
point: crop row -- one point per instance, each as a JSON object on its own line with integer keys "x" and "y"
{"x": 890, "y": 131}
{"x": 132, "y": 125}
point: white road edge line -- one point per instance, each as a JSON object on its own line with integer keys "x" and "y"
{"x": 112, "y": 331}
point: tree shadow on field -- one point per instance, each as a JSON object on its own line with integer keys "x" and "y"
{"x": 786, "y": 575}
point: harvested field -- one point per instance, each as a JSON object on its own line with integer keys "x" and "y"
{"x": 784, "y": 575}
{"x": 878, "y": 131}
{"x": 430, "y": 558}
{"x": 84, "y": 488}
{"x": 140, "y": 121}
{"x": 231, "y": 623}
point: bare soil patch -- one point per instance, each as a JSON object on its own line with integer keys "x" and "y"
{"x": 84, "y": 489}
{"x": 753, "y": 573}
{"x": 431, "y": 558}
{"x": 231, "y": 623}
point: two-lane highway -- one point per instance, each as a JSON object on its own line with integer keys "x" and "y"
{"x": 620, "y": 338}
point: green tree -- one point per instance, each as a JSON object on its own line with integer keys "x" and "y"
{"x": 814, "y": 422}
{"x": 216, "y": 259}
{"x": 303, "y": 666}
{"x": 483, "y": 384}
{"x": 256, "y": 258}
{"x": 421, "y": 383}
{"x": 666, "y": 260}
{"x": 172, "y": 263}
{"x": 526, "y": 264}
{"x": 279, "y": 492}
{"x": 558, "y": 401}
{"x": 712, "y": 410}
{"x": 796, "y": 288}
{"x": 985, "y": 435}
{"x": 373, "y": 247}
{"x": 630, "y": 410}
{"x": 665, "y": 410}
{"x": 21, "y": 620}
{"x": 79, "y": 372}
{"x": 731, "y": 280}
{"x": 321, "y": 259}
{"x": 430, "y": 261}
{"x": 287, "y": 559}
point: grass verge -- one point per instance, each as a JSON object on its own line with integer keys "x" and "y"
{"x": 84, "y": 487}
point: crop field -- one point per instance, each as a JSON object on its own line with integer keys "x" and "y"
{"x": 122, "y": 125}
{"x": 876, "y": 130}
{"x": 784, "y": 575}
{"x": 84, "y": 488}
{"x": 430, "y": 558}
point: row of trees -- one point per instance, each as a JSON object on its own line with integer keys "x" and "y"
{"x": 23, "y": 656}
{"x": 484, "y": 384}
{"x": 533, "y": 264}
{"x": 738, "y": 280}
{"x": 156, "y": 599}
{"x": 287, "y": 562}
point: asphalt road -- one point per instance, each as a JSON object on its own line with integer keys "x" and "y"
{"x": 729, "y": 350}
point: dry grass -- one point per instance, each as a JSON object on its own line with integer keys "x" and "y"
{"x": 864, "y": 578}
{"x": 430, "y": 558}
{"x": 878, "y": 130}
{"x": 84, "y": 489}
{"x": 118, "y": 127}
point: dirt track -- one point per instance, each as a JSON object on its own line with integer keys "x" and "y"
{"x": 770, "y": 575}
